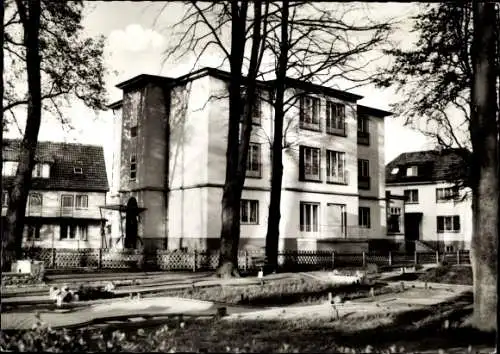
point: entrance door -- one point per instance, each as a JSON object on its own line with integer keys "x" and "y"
{"x": 335, "y": 220}
{"x": 412, "y": 230}
{"x": 131, "y": 224}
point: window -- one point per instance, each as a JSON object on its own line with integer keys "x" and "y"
{"x": 309, "y": 112}
{"x": 257, "y": 108}
{"x": 448, "y": 223}
{"x": 363, "y": 174}
{"x": 67, "y": 201}
{"x": 335, "y": 118}
{"x": 364, "y": 217}
{"x": 249, "y": 211}
{"x": 37, "y": 171}
{"x": 67, "y": 231}
{"x": 411, "y": 196}
{"x": 133, "y": 167}
{"x": 82, "y": 231}
{"x": 363, "y": 130}
{"x": 133, "y": 131}
{"x": 412, "y": 171}
{"x": 363, "y": 126}
{"x": 41, "y": 170}
{"x": 253, "y": 160}
{"x": 33, "y": 231}
{"x": 77, "y": 170}
{"x": 35, "y": 200}
{"x": 394, "y": 220}
{"x": 395, "y": 171}
{"x": 335, "y": 166}
{"x": 9, "y": 168}
{"x": 82, "y": 201}
{"x": 5, "y": 199}
{"x": 310, "y": 163}
{"x": 309, "y": 217}
{"x": 446, "y": 194}
{"x": 363, "y": 168}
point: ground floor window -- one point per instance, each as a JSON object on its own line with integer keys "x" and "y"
{"x": 448, "y": 223}
{"x": 309, "y": 217}
{"x": 249, "y": 211}
{"x": 364, "y": 217}
{"x": 33, "y": 231}
{"x": 72, "y": 231}
{"x": 394, "y": 220}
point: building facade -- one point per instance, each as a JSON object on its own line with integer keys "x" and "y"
{"x": 437, "y": 210}
{"x": 172, "y": 154}
{"x": 69, "y": 184}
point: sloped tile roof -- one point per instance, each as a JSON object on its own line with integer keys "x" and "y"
{"x": 63, "y": 158}
{"x": 434, "y": 165}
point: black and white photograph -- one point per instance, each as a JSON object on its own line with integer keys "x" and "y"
{"x": 250, "y": 176}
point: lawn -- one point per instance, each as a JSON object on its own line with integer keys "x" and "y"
{"x": 431, "y": 328}
{"x": 447, "y": 274}
{"x": 419, "y": 331}
{"x": 280, "y": 292}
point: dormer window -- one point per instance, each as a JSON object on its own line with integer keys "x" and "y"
{"x": 41, "y": 170}
{"x": 395, "y": 171}
{"x": 412, "y": 171}
{"x": 77, "y": 171}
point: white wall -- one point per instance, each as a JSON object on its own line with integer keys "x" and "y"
{"x": 430, "y": 209}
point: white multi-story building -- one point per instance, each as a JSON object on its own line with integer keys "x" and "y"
{"x": 436, "y": 212}
{"x": 69, "y": 184}
{"x": 171, "y": 159}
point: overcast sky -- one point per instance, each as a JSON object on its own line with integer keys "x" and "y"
{"x": 137, "y": 34}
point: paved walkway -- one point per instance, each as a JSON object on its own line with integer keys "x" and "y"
{"x": 149, "y": 307}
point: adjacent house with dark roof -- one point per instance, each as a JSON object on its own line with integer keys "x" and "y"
{"x": 437, "y": 209}
{"x": 69, "y": 183}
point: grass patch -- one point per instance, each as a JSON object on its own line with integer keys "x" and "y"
{"x": 389, "y": 334}
{"x": 449, "y": 274}
{"x": 280, "y": 292}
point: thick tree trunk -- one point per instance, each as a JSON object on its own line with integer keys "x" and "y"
{"x": 12, "y": 239}
{"x": 2, "y": 13}
{"x": 237, "y": 151}
{"x": 484, "y": 136}
{"x": 273, "y": 225}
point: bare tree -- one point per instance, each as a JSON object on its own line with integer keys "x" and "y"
{"x": 318, "y": 46}
{"x": 44, "y": 47}
{"x": 206, "y": 24}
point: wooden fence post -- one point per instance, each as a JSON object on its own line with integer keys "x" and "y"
{"x": 364, "y": 259}
{"x": 53, "y": 260}
{"x": 437, "y": 257}
{"x": 390, "y": 258}
{"x": 416, "y": 258}
{"x": 458, "y": 257}
{"x": 333, "y": 259}
{"x": 195, "y": 260}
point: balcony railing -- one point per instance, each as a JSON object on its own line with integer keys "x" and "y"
{"x": 363, "y": 138}
{"x": 336, "y": 130}
{"x": 364, "y": 182}
{"x": 339, "y": 179}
